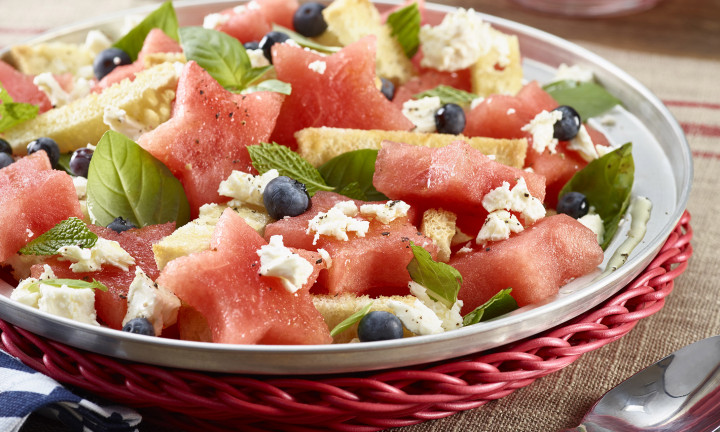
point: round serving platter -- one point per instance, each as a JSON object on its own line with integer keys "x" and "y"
{"x": 663, "y": 173}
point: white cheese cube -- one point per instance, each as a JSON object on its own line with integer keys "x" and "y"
{"x": 498, "y": 226}
{"x": 75, "y": 303}
{"x": 246, "y": 188}
{"x": 450, "y": 317}
{"x": 421, "y": 113}
{"x": 385, "y": 213}
{"x": 518, "y": 200}
{"x": 278, "y": 261}
{"x": 89, "y": 260}
{"x": 148, "y": 300}
{"x": 417, "y": 317}
{"x": 593, "y": 221}
{"x": 541, "y": 128}
{"x": 337, "y": 222}
{"x": 582, "y": 143}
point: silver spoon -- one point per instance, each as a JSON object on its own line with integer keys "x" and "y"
{"x": 679, "y": 393}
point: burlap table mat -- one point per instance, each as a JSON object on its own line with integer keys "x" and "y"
{"x": 690, "y": 88}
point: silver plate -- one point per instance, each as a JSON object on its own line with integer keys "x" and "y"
{"x": 663, "y": 174}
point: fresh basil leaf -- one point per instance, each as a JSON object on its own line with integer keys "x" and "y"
{"x": 356, "y": 166}
{"x": 441, "y": 281}
{"x": 13, "y": 113}
{"x": 353, "y": 190}
{"x": 163, "y": 18}
{"x": 70, "y": 283}
{"x": 587, "y": 98}
{"x": 272, "y": 85}
{"x": 349, "y": 321}
{"x": 70, "y": 232}
{"x": 606, "y": 183}
{"x": 125, "y": 180}
{"x": 500, "y": 304}
{"x": 405, "y": 26}
{"x": 254, "y": 74}
{"x": 305, "y": 42}
{"x": 220, "y": 54}
{"x": 266, "y": 156}
{"x": 64, "y": 162}
{"x": 448, "y": 95}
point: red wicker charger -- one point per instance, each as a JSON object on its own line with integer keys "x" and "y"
{"x": 188, "y": 400}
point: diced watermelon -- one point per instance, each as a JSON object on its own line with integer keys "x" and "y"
{"x": 279, "y": 12}
{"x": 535, "y": 263}
{"x": 429, "y": 79}
{"x": 557, "y": 168}
{"x": 21, "y": 88}
{"x": 111, "y": 306}
{"x": 343, "y": 95}
{"x": 33, "y": 199}
{"x": 239, "y": 304}
{"x": 252, "y": 21}
{"x": 455, "y": 177}
{"x": 374, "y": 264}
{"x": 207, "y": 135}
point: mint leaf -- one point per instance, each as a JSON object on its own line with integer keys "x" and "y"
{"x": 163, "y": 18}
{"x": 349, "y": 321}
{"x": 500, "y": 304}
{"x": 305, "y": 42}
{"x": 606, "y": 183}
{"x": 356, "y": 166}
{"x": 441, "y": 280}
{"x": 125, "y": 180}
{"x": 405, "y": 26}
{"x": 272, "y": 85}
{"x": 587, "y": 98}
{"x": 13, "y": 113}
{"x": 70, "y": 283}
{"x": 266, "y": 156}
{"x": 70, "y": 232}
{"x": 448, "y": 95}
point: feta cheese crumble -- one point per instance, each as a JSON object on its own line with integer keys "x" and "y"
{"x": 417, "y": 317}
{"x": 421, "y": 113}
{"x": 593, "y": 221}
{"x": 318, "y": 66}
{"x": 75, "y": 303}
{"x": 325, "y": 255}
{"x": 518, "y": 200}
{"x": 498, "y": 226}
{"x": 23, "y": 294}
{"x": 337, "y": 222}
{"x": 385, "y": 213}
{"x": 246, "y": 188}
{"x": 573, "y": 73}
{"x": 541, "y": 128}
{"x": 80, "y": 184}
{"x": 96, "y": 42}
{"x": 215, "y": 20}
{"x": 582, "y": 143}
{"x": 278, "y": 261}
{"x": 450, "y": 317}
{"x": 117, "y": 119}
{"x": 147, "y": 300}
{"x": 257, "y": 58}
{"x": 92, "y": 259}
{"x": 54, "y": 91}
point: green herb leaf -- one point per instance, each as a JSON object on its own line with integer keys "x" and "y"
{"x": 448, "y": 95}
{"x": 305, "y": 42}
{"x": 349, "y": 321}
{"x": 606, "y": 183}
{"x": 13, "y": 113}
{"x": 441, "y": 280}
{"x": 64, "y": 162}
{"x": 405, "y": 26}
{"x": 70, "y": 232}
{"x": 163, "y": 18}
{"x": 220, "y": 54}
{"x": 353, "y": 167}
{"x": 254, "y": 74}
{"x": 353, "y": 190}
{"x": 587, "y": 98}
{"x": 266, "y": 156}
{"x": 272, "y": 85}
{"x": 500, "y": 304}
{"x": 125, "y": 180}
{"x": 70, "y": 283}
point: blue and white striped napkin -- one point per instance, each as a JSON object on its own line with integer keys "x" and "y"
{"x": 24, "y": 391}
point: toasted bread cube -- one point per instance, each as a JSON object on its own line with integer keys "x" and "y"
{"x": 439, "y": 226}
{"x": 54, "y": 57}
{"x": 493, "y": 74}
{"x": 351, "y": 20}
{"x": 319, "y": 145}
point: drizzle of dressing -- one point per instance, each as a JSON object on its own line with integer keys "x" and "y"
{"x": 640, "y": 210}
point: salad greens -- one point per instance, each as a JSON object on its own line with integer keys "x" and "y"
{"x": 441, "y": 281}
{"x": 13, "y": 113}
{"x": 267, "y": 156}
{"x": 587, "y": 98}
{"x": 70, "y": 232}
{"x": 353, "y": 168}
{"x": 163, "y": 18}
{"x": 349, "y": 321}
{"x": 70, "y": 283}
{"x": 448, "y": 95}
{"x": 405, "y": 26}
{"x": 500, "y": 304}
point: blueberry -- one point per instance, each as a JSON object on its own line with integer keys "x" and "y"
{"x": 119, "y": 225}
{"x": 50, "y": 147}
{"x": 270, "y": 39}
{"x": 308, "y": 19}
{"x": 379, "y": 325}
{"x": 450, "y": 119}
{"x": 108, "y": 60}
{"x": 573, "y": 204}
{"x": 284, "y": 196}
{"x": 80, "y": 161}
{"x": 5, "y": 160}
{"x": 388, "y": 88}
{"x": 567, "y": 127}
{"x": 5, "y": 147}
{"x": 252, "y": 45}
{"x": 139, "y": 326}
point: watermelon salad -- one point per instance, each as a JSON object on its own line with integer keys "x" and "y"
{"x": 281, "y": 175}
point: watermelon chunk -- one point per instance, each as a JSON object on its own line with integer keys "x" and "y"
{"x": 33, "y": 199}
{"x": 240, "y": 305}
{"x": 535, "y": 263}
{"x": 207, "y": 135}
{"x": 21, "y": 87}
{"x": 343, "y": 95}
{"x": 252, "y": 21}
{"x": 111, "y": 305}
{"x": 429, "y": 79}
{"x": 373, "y": 265}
